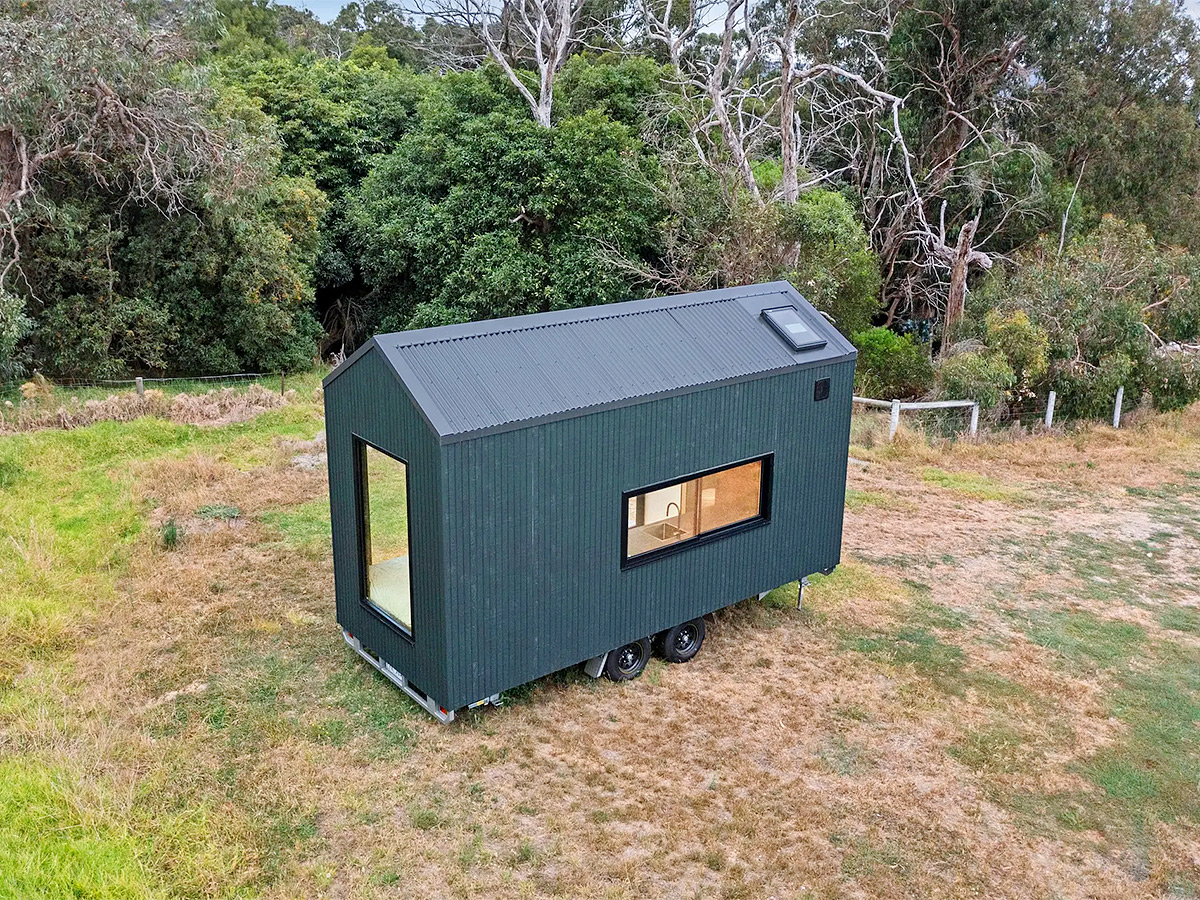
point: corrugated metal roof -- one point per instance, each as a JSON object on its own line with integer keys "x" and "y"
{"x": 504, "y": 373}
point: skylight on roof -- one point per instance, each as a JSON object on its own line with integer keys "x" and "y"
{"x": 786, "y": 320}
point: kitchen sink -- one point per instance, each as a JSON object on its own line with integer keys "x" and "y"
{"x": 664, "y": 531}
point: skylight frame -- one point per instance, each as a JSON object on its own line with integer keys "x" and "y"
{"x": 791, "y": 325}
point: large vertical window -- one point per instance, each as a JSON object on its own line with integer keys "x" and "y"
{"x": 660, "y": 518}
{"x": 384, "y": 499}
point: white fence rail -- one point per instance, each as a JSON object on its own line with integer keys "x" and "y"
{"x": 899, "y": 406}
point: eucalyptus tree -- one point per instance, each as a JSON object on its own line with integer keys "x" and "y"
{"x": 1120, "y": 110}
{"x": 519, "y": 36}
{"x": 910, "y": 106}
{"x": 89, "y": 88}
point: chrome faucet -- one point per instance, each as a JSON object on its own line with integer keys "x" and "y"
{"x": 678, "y": 511}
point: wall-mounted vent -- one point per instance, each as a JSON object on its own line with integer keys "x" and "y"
{"x": 786, "y": 320}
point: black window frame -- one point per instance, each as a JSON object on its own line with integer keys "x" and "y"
{"x": 704, "y": 537}
{"x": 363, "y": 525}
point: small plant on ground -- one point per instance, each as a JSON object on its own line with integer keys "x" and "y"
{"x": 172, "y": 534}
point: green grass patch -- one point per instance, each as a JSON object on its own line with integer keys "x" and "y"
{"x": 54, "y": 846}
{"x": 1116, "y": 570}
{"x": 1083, "y": 641}
{"x": 919, "y": 650}
{"x": 11, "y": 472}
{"x": 1049, "y": 814}
{"x": 1154, "y": 769}
{"x": 375, "y": 706}
{"x": 943, "y": 664}
{"x": 852, "y": 582}
{"x": 856, "y": 499}
{"x": 999, "y": 748}
{"x": 977, "y": 487}
{"x": 219, "y": 511}
{"x": 864, "y": 858}
{"x": 913, "y": 643}
{"x": 1151, "y": 772}
{"x": 1175, "y": 505}
{"x": 783, "y": 597}
{"x": 928, "y": 613}
{"x": 302, "y": 525}
{"x": 1180, "y": 618}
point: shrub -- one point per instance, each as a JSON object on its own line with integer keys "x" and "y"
{"x": 1174, "y": 380}
{"x": 1085, "y": 312}
{"x": 1089, "y": 390}
{"x": 837, "y": 270}
{"x": 891, "y": 366}
{"x": 1025, "y": 346}
{"x": 14, "y": 325}
{"x": 985, "y": 377}
{"x": 172, "y": 533}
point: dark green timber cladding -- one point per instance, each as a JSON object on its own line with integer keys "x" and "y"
{"x": 533, "y": 518}
{"x": 371, "y": 402}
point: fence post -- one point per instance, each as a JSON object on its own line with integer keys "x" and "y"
{"x": 282, "y": 376}
{"x": 1050, "y": 410}
{"x": 1117, "y": 407}
{"x": 140, "y": 386}
{"x": 975, "y": 418}
{"x": 895, "y": 422}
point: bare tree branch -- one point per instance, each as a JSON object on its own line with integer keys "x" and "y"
{"x": 515, "y": 35}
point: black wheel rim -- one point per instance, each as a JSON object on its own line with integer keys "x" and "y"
{"x": 629, "y": 658}
{"x": 686, "y": 639}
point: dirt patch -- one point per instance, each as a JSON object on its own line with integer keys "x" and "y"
{"x": 308, "y": 454}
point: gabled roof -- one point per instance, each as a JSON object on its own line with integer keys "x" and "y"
{"x": 513, "y": 372}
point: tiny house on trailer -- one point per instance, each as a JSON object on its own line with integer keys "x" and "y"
{"x": 516, "y": 496}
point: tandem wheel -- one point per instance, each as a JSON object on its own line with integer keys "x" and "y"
{"x": 627, "y": 662}
{"x": 681, "y": 643}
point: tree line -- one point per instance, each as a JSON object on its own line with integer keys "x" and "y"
{"x": 991, "y": 197}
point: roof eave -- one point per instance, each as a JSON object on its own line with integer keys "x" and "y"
{"x": 454, "y": 437}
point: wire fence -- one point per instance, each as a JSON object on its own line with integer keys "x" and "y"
{"x": 1028, "y": 412}
{"x": 946, "y": 419}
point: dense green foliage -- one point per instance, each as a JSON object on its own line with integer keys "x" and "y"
{"x": 480, "y": 212}
{"x": 1098, "y": 315}
{"x": 984, "y": 377}
{"x": 891, "y": 366}
{"x": 312, "y": 183}
{"x": 224, "y": 290}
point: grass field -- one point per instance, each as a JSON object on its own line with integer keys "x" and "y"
{"x": 996, "y": 695}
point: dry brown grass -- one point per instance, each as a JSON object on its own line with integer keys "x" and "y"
{"x": 217, "y": 407}
{"x": 1145, "y": 451}
{"x": 815, "y": 753}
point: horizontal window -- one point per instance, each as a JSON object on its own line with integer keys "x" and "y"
{"x": 660, "y": 518}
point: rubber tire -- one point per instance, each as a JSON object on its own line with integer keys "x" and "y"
{"x": 681, "y": 643}
{"x": 627, "y": 662}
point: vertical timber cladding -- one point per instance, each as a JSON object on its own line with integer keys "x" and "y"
{"x": 369, "y": 401}
{"x": 534, "y": 522}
